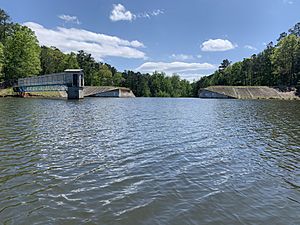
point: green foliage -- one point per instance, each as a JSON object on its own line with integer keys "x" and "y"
{"x": 1, "y": 63}
{"x": 5, "y": 25}
{"x": 286, "y": 60}
{"x": 70, "y": 61}
{"x": 96, "y": 73}
{"x": 105, "y": 76}
{"x": 21, "y": 54}
{"x": 54, "y": 61}
{"x": 282, "y": 35}
{"x": 295, "y": 30}
{"x": 156, "y": 85}
{"x": 117, "y": 79}
{"x": 224, "y": 64}
{"x": 89, "y": 66}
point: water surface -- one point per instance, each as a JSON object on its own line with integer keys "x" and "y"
{"x": 149, "y": 161}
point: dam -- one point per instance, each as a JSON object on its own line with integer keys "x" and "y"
{"x": 247, "y": 92}
{"x": 69, "y": 84}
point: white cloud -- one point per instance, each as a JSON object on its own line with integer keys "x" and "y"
{"x": 250, "y": 47}
{"x": 69, "y": 19}
{"x": 174, "y": 67}
{"x": 188, "y": 71}
{"x": 182, "y": 57}
{"x": 157, "y": 12}
{"x": 99, "y": 45}
{"x": 199, "y": 56}
{"x": 137, "y": 44}
{"x": 290, "y": 2}
{"x": 217, "y": 45}
{"x": 150, "y": 14}
{"x": 120, "y": 13}
{"x": 193, "y": 76}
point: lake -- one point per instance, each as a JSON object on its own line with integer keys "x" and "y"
{"x": 149, "y": 161}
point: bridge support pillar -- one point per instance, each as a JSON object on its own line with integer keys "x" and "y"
{"x": 75, "y": 93}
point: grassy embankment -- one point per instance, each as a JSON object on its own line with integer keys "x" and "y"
{"x": 9, "y": 92}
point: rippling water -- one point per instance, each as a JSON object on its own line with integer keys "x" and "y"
{"x": 149, "y": 161}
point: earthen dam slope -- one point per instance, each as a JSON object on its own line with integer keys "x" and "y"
{"x": 247, "y": 92}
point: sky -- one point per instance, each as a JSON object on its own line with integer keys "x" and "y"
{"x": 190, "y": 38}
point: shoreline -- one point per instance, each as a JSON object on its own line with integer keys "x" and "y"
{"x": 211, "y": 92}
{"x": 9, "y": 93}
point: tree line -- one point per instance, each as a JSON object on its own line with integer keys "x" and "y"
{"x": 22, "y": 56}
{"x": 276, "y": 65}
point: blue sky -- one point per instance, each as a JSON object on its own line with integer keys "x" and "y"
{"x": 188, "y": 37}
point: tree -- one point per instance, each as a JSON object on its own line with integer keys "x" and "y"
{"x": 143, "y": 87}
{"x": 155, "y": 84}
{"x": 5, "y": 25}
{"x": 104, "y": 76}
{"x": 52, "y": 60}
{"x": 22, "y": 54}
{"x": 234, "y": 74}
{"x": 1, "y": 62}
{"x": 117, "y": 78}
{"x": 70, "y": 61}
{"x": 55, "y": 61}
{"x": 89, "y": 65}
{"x": 265, "y": 74}
{"x": 224, "y": 64}
{"x": 295, "y": 30}
{"x": 282, "y": 35}
{"x": 285, "y": 58}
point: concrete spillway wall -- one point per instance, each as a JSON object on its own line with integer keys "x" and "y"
{"x": 247, "y": 92}
{"x": 107, "y": 91}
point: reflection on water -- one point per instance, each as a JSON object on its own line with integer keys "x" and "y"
{"x": 149, "y": 161}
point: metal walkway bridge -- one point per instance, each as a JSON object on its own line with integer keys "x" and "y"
{"x": 71, "y": 81}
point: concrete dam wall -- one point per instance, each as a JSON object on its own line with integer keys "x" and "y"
{"x": 100, "y": 91}
{"x": 247, "y": 92}
{"x": 108, "y": 91}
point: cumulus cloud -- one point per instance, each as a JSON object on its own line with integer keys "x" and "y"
{"x": 174, "y": 67}
{"x": 182, "y": 57}
{"x": 119, "y": 12}
{"x": 217, "y": 45}
{"x": 250, "y": 47}
{"x": 69, "y": 19}
{"x": 188, "y": 71}
{"x": 97, "y": 44}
